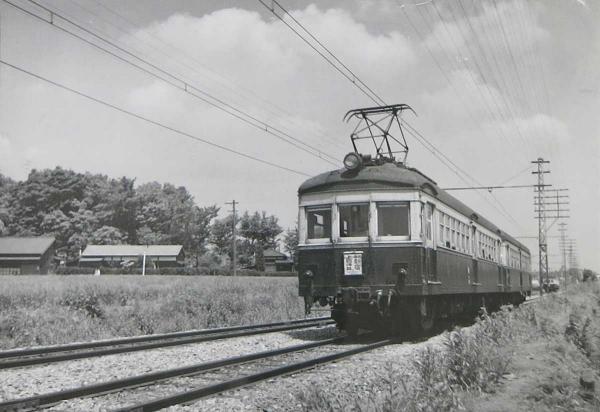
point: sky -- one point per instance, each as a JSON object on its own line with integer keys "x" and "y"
{"x": 495, "y": 84}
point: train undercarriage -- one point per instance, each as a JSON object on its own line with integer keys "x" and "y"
{"x": 408, "y": 316}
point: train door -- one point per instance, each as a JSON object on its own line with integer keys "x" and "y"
{"x": 474, "y": 264}
{"x": 520, "y": 270}
{"x": 429, "y": 261}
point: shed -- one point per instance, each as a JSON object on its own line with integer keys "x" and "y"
{"x": 276, "y": 261}
{"x": 120, "y": 255}
{"x": 26, "y": 255}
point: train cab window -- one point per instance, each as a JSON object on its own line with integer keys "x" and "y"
{"x": 393, "y": 219}
{"x": 319, "y": 223}
{"x": 354, "y": 220}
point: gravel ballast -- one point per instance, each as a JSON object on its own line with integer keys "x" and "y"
{"x": 356, "y": 375}
{"x": 34, "y": 380}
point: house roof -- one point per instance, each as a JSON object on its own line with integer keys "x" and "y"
{"x": 394, "y": 176}
{"x": 25, "y": 245}
{"x": 273, "y": 253}
{"x": 131, "y": 250}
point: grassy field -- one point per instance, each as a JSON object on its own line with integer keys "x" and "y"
{"x": 539, "y": 357}
{"x": 43, "y": 310}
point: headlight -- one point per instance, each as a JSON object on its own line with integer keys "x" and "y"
{"x": 352, "y": 161}
{"x": 308, "y": 274}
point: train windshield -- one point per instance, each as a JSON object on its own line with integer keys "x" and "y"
{"x": 393, "y": 219}
{"x": 354, "y": 220}
{"x": 319, "y": 223}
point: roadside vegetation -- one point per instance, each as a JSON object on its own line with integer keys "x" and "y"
{"x": 539, "y": 357}
{"x": 78, "y": 209}
{"x": 44, "y": 310}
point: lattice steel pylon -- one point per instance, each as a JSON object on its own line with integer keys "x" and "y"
{"x": 375, "y": 124}
{"x": 541, "y": 211}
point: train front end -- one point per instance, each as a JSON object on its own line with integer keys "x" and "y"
{"x": 363, "y": 242}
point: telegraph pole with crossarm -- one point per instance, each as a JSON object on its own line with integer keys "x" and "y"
{"x": 233, "y": 237}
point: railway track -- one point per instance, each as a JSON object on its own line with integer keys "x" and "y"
{"x": 138, "y": 393}
{"x": 232, "y": 376}
{"x": 58, "y": 353}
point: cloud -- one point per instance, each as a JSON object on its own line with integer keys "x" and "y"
{"x": 253, "y": 61}
{"x": 266, "y": 58}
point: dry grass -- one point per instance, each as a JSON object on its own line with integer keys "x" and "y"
{"x": 529, "y": 358}
{"x": 42, "y": 310}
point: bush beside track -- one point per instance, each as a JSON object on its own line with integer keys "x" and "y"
{"x": 46, "y": 310}
{"x": 541, "y": 357}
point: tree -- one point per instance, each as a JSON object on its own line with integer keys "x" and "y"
{"x": 108, "y": 235}
{"x": 221, "y": 235}
{"x": 290, "y": 241}
{"x": 589, "y": 275}
{"x": 259, "y": 232}
{"x": 78, "y": 209}
{"x": 124, "y": 205}
{"x": 200, "y": 228}
{"x": 168, "y": 214}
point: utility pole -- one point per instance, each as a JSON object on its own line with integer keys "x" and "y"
{"x": 570, "y": 247}
{"x": 234, "y": 237}
{"x": 563, "y": 247}
{"x": 541, "y": 211}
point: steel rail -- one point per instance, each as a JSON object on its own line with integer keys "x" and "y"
{"x": 39, "y": 350}
{"x": 20, "y": 362}
{"x": 193, "y": 395}
{"x": 49, "y": 399}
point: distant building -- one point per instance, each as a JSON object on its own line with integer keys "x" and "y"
{"x": 26, "y": 255}
{"x": 157, "y": 256}
{"x": 276, "y": 261}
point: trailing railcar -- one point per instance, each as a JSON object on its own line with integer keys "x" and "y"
{"x": 385, "y": 247}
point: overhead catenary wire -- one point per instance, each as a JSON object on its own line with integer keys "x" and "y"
{"x": 487, "y": 106}
{"x": 507, "y": 113}
{"x": 498, "y": 73}
{"x": 357, "y": 82}
{"x": 490, "y": 110}
{"x": 175, "y": 81}
{"x": 510, "y": 179}
{"x": 490, "y": 188}
{"x": 348, "y": 75}
{"x": 327, "y": 50}
{"x": 146, "y": 119}
{"x": 193, "y": 64}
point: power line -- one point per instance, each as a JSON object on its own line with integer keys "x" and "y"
{"x": 516, "y": 175}
{"x": 326, "y": 49}
{"x": 184, "y": 86}
{"x": 140, "y": 117}
{"x": 349, "y": 75}
{"x": 237, "y": 89}
{"x": 358, "y": 83}
{"x": 443, "y": 72}
{"x": 489, "y": 188}
{"x": 508, "y": 109}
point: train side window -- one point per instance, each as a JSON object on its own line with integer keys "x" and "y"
{"x": 393, "y": 219}
{"x": 354, "y": 220}
{"x": 319, "y": 223}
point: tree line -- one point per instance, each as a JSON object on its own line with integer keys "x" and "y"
{"x": 83, "y": 208}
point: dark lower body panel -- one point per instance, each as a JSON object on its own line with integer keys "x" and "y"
{"x": 406, "y": 289}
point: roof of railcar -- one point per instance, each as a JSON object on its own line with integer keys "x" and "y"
{"x": 392, "y": 175}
